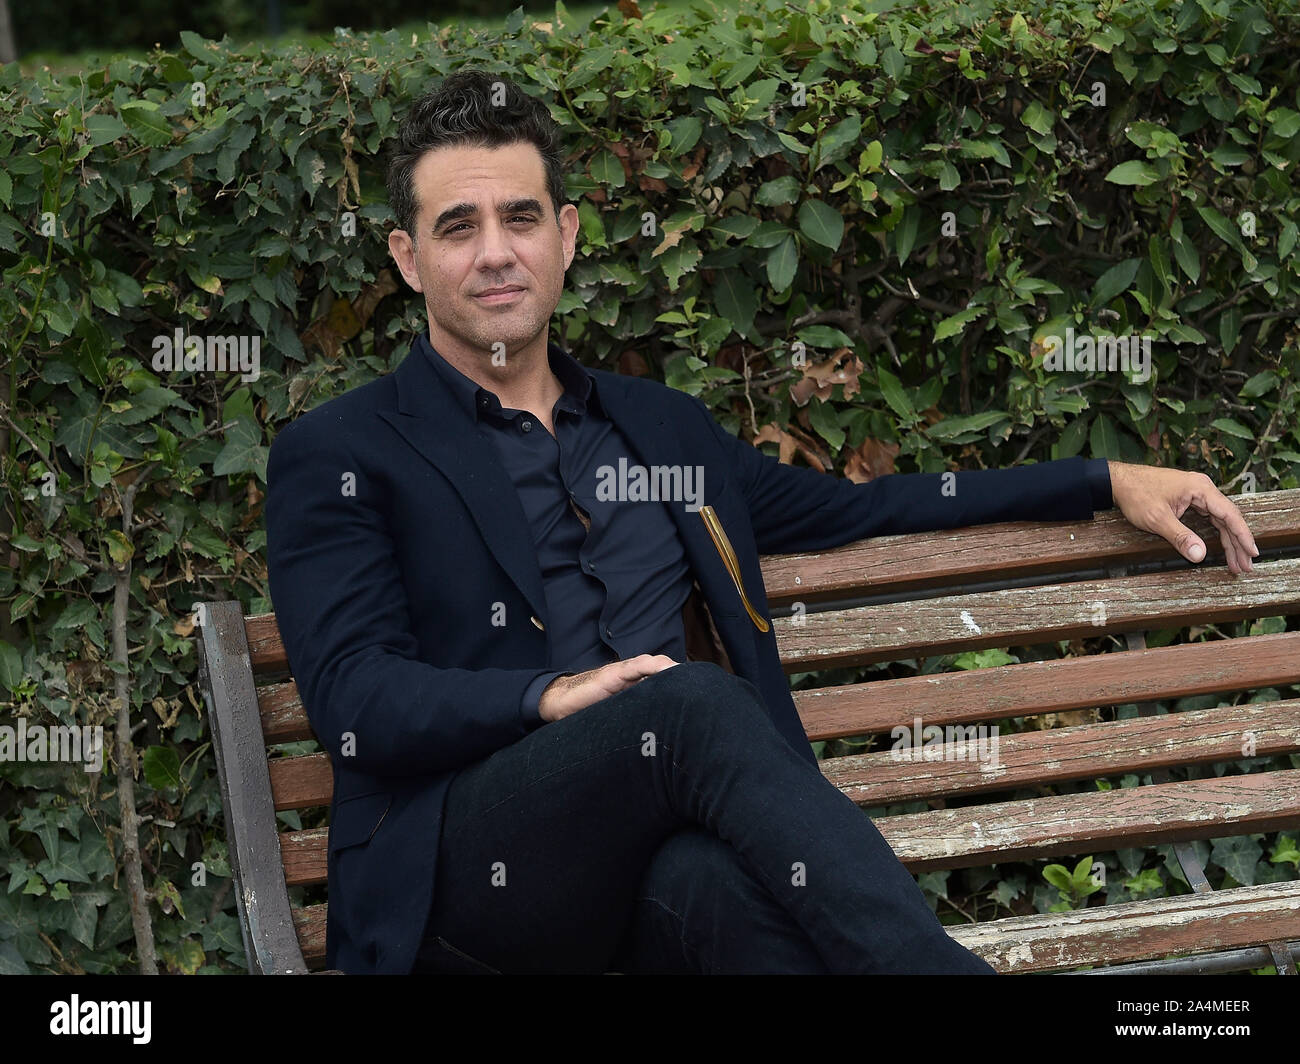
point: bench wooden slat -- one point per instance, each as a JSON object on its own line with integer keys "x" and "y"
{"x": 305, "y": 855}
{"x": 301, "y": 782}
{"x": 1085, "y": 752}
{"x": 1095, "y": 821}
{"x": 1243, "y": 664}
{"x": 1031, "y": 615}
{"x": 1115, "y": 934}
{"x": 284, "y": 720}
{"x": 265, "y": 647}
{"x": 309, "y": 922}
{"x": 1005, "y": 551}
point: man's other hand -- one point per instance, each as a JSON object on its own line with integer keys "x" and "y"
{"x": 1153, "y": 499}
{"x": 568, "y": 694}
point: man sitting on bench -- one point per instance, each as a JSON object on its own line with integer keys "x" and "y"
{"x": 523, "y": 604}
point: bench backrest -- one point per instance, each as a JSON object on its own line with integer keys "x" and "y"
{"x": 908, "y": 599}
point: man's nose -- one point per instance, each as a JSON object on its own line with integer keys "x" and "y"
{"x": 495, "y": 252}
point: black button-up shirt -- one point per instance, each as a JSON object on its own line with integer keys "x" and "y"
{"x": 615, "y": 590}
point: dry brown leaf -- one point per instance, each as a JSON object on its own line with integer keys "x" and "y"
{"x": 770, "y": 433}
{"x": 632, "y": 364}
{"x": 843, "y": 367}
{"x": 875, "y": 458}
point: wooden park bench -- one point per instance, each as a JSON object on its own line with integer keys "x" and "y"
{"x": 908, "y": 599}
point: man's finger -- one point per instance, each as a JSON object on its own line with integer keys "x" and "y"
{"x": 1236, "y": 552}
{"x": 1211, "y": 501}
{"x": 1184, "y": 540}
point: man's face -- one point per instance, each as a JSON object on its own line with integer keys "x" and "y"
{"x": 485, "y": 221}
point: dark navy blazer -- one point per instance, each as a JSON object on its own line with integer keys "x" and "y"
{"x": 393, "y": 529}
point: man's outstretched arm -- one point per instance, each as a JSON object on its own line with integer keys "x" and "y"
{"x": 798, "y": 509}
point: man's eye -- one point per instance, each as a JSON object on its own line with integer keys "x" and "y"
{"x": 527, "y": 218}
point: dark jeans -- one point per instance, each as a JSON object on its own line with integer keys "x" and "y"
{"x": 670, "y": 828}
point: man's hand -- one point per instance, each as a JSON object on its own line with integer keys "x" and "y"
{"x": 1153, "y": 499}
{"x": 568, "y": 694}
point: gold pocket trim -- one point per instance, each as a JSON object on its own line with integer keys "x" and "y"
{"x": 732, "y": 563}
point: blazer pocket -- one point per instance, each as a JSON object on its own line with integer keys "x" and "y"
{"x": 356, "y": 819}
{"x": 446, "y": 959}
{"x": 732, "y": 563}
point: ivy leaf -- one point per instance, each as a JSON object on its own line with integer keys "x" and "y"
{"x": 1237, "y": 856}
{"x": 983, "y": 659}
{"x": 1260, "y": 384}
{"x": 243, "y": 452}
{"x": 781, "y": 263}
{"x": 1223, "y": 228}
{"x": 149, "y": 127}
{"x": 11, "y": 667}
{"x": 1059, "y": 876}
{"x": 891, "y": 389}
{"x": 736, "y": 299}
{"x": 120, "y": 549}
{"x": 11, "y": 961}
{"x": 1103, "y": 439}
{"x": 1285, "y": 851}
{"x": 103, "y": 129}
{"x": 1037, "y": 117}
{"x": 1232, "y": 428}
{"x": 905, "y": 234}
{"x": 684, "y": 132}
{"x": 606, "y": 168}
{"x": 1133, "y": 172}
{"x": 1114, "y": 281}
{"x": 784, "y": 189}
{"x": 956, "y": 323}
{"x": 838, "y": 139}
{"x": 1189, "y": 259}
{"x": 964, "y": 428}
{"x": 162, "y": 767}
{"x": 824, "y": 419}
{"x": 821, "y": 223}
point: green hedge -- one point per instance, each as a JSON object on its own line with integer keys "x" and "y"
{"x": 865, "y": 226}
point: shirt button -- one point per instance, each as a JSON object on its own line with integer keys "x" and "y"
{"x": 609, "y": 633}
{"x": 527, "y": 426}
{"x": 591, "y": 567}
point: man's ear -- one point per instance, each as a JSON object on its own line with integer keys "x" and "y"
{"x": 403, "y": 252}
{"x": 569, "y": 231}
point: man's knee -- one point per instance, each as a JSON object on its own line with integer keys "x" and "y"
{"x": 697, "y": 688}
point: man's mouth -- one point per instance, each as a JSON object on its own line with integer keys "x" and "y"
{"x": 504, "y": 294}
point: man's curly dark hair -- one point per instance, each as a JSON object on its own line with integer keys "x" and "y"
{"x": 463, "y": 110}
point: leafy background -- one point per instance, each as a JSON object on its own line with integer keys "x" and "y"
{"x": 130, "y": 208}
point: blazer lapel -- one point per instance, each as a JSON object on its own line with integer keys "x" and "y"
{"x": 443, "y": 432}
